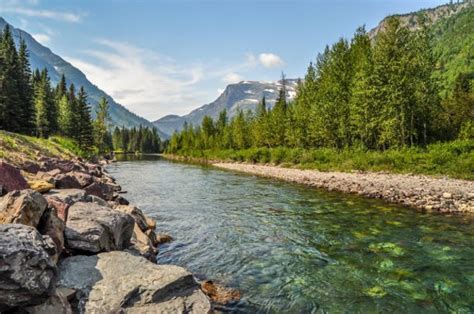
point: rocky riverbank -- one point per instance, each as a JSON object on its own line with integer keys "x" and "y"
{"x": 70, "y": 242}
{"x": 422, "y": 192}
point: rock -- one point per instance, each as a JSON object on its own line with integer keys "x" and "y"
{"x": 142, "y": 244}
{"x": 22, "y": 207}
{"x": 98, "y": 200}
{"x": 31, "y": 167}
{"x": 219, "y": 294}
{"x": 447, "y": 195}
{"x": 117, "y": 282}
{"x": 121, "y": 200}
{"x": 62, "y": 165}
{"x": 162, "y": 238}
{"x": 151, "y": 223}
{"x": 66, "y": 181}
{"x": 69, "y": 196}
{"x": 11, "y": 178}
{"x": 27, "y": 271}
{"x": 94, "y": 228}
{"x": 57, "y": 304}
{"x": 84, "y": 179}
{"x": 101, "y": 190}
{"x": 136, "y": 213}
{"x": 54, "y": 227}
{"x": 93, "y": 169}
{"x": 60, "y": 207}
{"x": 41, "y": 186}
{"x": 152, "y": 236}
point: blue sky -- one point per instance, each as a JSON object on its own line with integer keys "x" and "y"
{"x": 162, "y": 57}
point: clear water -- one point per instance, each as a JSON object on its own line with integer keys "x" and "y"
{"x": 294, "y": 249}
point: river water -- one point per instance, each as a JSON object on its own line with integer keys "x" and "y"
{"x": 294, "y": 249}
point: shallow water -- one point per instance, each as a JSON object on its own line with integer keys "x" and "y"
{"x": 294, "y": 249}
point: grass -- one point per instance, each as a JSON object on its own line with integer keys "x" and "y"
{"x": 454, "y": 159}
{"x": 16, "y": 147}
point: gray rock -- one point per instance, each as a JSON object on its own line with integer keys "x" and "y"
{"x": 69, "y": 196}
{"x": 22, "y": 207}
{"x": 119, "y": 281}
{"x": 57, "y": 304}
{"x": 66, "y": 181}
{"x": 101, "y": 190}
{"x": 94, "y": 228}
{"x": 27, "y": 272}
{"x": 136, "y": 213}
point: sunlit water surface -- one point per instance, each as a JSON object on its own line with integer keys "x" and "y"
{"x": 294, "y": 249}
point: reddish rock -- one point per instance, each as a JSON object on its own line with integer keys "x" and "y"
{"x": 101, "y": 190}
{"x": 22, "y": 207}
{"x": 162, "y": 238}
{"x": 83, "y": 178}
{"x": 48, "y": 164}
{"x": 31, "y": 167}
{"x": 11, "y": 178}
{"x": 60, "y": 207}
{"x": 219, "y": 294}
{"x": 66, "y": 181}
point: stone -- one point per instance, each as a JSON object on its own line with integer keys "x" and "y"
{"x": 93, "y": 228}
{"x": 22, "y": 207}
{"x": 142, "y": 244}
{"x": 66, "y": 181}
{"x": 57, "y": 304}
{"x": 84, "y": 179}
{"x": 41, "y": 186}
{"x": 63, "y": 165}
{"x": 447, "y": 195}
{"x": 31, "y": 167}
{"x": 11, "y": 178}
{"x": 220, "y": 294}
{"x": 101, "y": 190}
{"x": 59, "y": 206}
{"x": 51, "y": 225}
{"x": 163, "y": 238}
{"x": 120, "y": 200}
{"x": 136, "y": 213}
{"x": 98, "y": 200}
{"x": 151, "y": 223}
{"x": 116, "y": 282}
{"x": 69, "y": 196}
{"x": 27, "y": 272}
{"x": 152, "y": 236}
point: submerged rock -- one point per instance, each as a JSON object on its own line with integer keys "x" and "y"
{"x": 94, "y": 228}
{"x": 22, "y": 207}
{"x": 11, "y": 178}
{"x": 26, "y": 268}
{"x": 220, "y": 294}
{"x": 121, "y": 282}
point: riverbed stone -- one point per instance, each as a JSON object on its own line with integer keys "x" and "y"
{"x": 27, "y": 271}
{"x": 121, "y": 282}
{"x": 11, "y": 178}
{"x": 93, "y": 228}
{"x": 22, "y": 207}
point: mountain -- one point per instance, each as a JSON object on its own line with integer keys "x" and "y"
{"x": 42, "y": 57}
{"x": 241, "y": 96}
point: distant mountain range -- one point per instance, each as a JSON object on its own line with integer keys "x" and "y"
{"x": 241, "y": 96}
{"x": 42, "y": 57}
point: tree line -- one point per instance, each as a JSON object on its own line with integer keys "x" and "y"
{"x": 371, "y": 93}
{"x": 30, "y": 105}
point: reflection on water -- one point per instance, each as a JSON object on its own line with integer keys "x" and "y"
{"x": 290, "y": 248}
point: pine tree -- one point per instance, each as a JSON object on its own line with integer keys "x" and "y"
{"x": 65, "y": 117}
{"x": 85, "y": 132}
{"x": 25, "y": 90}
{"x": 278, "y": 117}
{"x": 101, "y": 124}
{"x": 41, "y": 108}
{"x": 51, "y": 105}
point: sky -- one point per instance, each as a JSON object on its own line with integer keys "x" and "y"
{"x": 159, "y": 57}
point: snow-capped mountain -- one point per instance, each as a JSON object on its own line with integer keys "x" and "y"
{"x": 241, "y": 96}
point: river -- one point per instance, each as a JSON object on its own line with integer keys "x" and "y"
{"x": 294, "y": 249}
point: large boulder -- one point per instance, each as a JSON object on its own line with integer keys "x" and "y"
{"x": 142, "y": 245}
{"x": 59, "y": 206}
{"x": 51, "y": 225}
{"x": 26, "y": 269}
{"x": 11, "y": 178}
{"x": 48, "y": 164}
{"x": 69, "y": 196}
{"x": 67, "y": 181}
{"x": 93, "y": 228}
{"x": 119, "y": 282}
{"x": 22, "y": 207}
{"x": 101, "y": 190}
{"x": 56, "y": 304}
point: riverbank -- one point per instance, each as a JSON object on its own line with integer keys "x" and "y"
{"x": 71, "y": 242}
{"x": 421, "y": 192}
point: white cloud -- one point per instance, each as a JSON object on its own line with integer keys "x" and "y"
{"x": 29, "y": 8}
{"x": 231, "y": 78}
{"x": 145, "y": 82}
{"x": 270, "y": 60}
{"x": 220, "y": 91}
{"x": 42, "y": 38}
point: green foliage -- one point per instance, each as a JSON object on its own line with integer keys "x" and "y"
{"x": 143, "y": 140}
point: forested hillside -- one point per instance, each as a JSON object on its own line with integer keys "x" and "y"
{"x": 30, "y": 105}
{"x": 407, "y": 87}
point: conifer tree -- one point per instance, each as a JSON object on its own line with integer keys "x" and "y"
{"x": 101, "y": 124}
{"x": 25, "y": 91}
{"x": 84, "y": 129}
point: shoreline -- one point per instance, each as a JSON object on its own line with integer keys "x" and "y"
{"x": 422, "y": 192}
